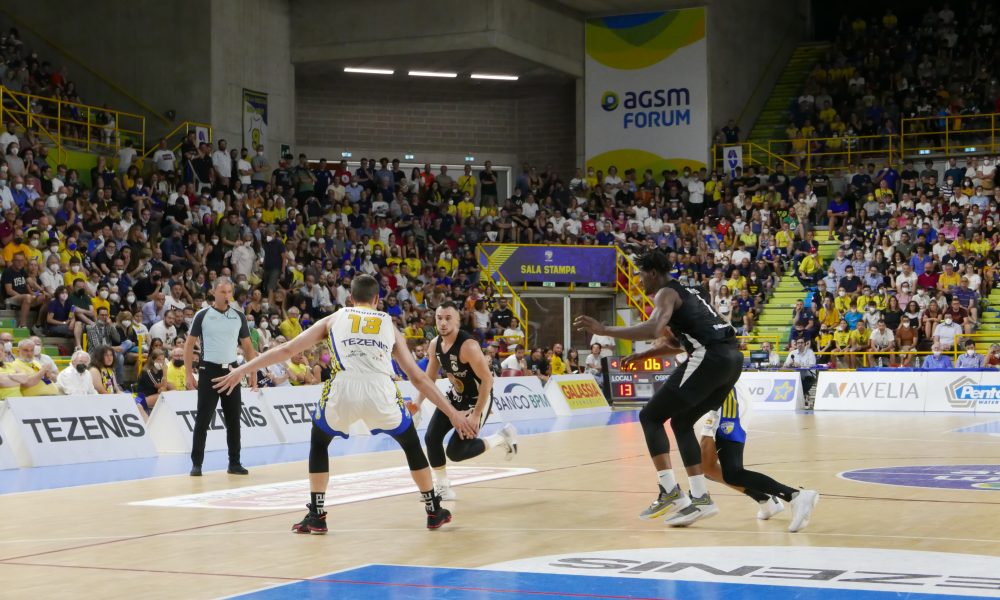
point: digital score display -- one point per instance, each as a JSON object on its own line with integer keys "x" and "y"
{"x": 634, "y": 382}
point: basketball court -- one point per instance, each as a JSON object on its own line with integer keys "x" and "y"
{"x": 908, "y": 509}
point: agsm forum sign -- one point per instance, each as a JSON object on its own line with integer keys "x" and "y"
{"x": 647, "y": 91}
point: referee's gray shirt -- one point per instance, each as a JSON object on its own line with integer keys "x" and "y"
{"x": 220, "y": 333}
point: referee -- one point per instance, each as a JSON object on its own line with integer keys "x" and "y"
{"x": 221, "y": 328}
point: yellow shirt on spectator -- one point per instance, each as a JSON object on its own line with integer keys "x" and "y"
{"x": 392, "y": 261}
{"x": 414, "y": 264}
{"x": 39, "y": 389}
{"x": 981, "y": 248}
{"x": 467, "y": 185}
{"x": 784, "y": 238}
{"x": 737, "y": 284}
{"x": 558, "y": 365}
{"x": 809, "y": 265}
{"x": 449, "y": 265}
{"x": 830, "y": 318}
{"x": 413, "y": 332}
{"x": 290, "y": 328}
{"x": 824, "y": 339}
{"x": 749, "y": 238}
{"x": 67, "y": 255}
{"x": 842, "y": 304}
{"x": 827, "y": 114}
{"x": 298, "y": 370}
{"x": 860, "y": 338}
{"x": 176, "y": 376}
{"x": 842, "y": 338}
{"x": 69, "y": 278}
{"x": 96, "y": 303}
{"x": 947, "y": 281}
{"x": 11, "y": 249}
{"x": 465, "y": 208}
{"x": 13, "y": 391}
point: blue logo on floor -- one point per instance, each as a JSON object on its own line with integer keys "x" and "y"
{"x": 955, "y": 477}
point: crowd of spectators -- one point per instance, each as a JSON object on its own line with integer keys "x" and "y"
{"x": 881, "y": 69}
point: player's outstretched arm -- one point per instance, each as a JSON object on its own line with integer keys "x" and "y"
{"x": 280, "y": 353}
{"x": 664, "y": 303}
{"x": 425, "y": 385}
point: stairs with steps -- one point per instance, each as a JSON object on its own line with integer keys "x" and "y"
{"x": 989, "y": 328}
{"x": 773, "y": 117}
{"x": 775, "y": 321}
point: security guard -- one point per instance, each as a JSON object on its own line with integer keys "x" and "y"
{"x": 220, "y": 328}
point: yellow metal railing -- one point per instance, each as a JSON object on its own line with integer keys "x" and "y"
{"x": 502, "y": 287}
{"x": 64, "y": 123}
{"x": 754, "y": 155}
{"x": 950, "y": 135}
{"x": 627, "y": 283}
{"x": 175, "y": 138}
{"x": 836, "y": 153}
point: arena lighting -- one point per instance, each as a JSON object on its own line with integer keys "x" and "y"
{"x": 470, "y": 158}
{"x": 971, "y": 149}
{"x": 432, "y": 74}
{"x": 496, "y": 77}
{"x": 346, "y": 154}
{"x": 408, "y": 157}
{"x": 923, "y": 152}
{"x": 368, "y": 71}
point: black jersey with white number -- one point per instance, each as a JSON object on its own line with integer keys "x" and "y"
{"x": 695, "y": 323}
{"x": 464, "y": 381}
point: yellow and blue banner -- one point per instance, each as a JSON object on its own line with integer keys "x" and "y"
{"x": 647, "y": 91}
{"x": 558, "y": 264}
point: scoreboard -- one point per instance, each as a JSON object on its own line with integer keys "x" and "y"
{"x": 636, "y": 383}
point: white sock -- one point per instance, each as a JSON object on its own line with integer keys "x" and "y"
{"x": 667, "y": 479}
{"x": 441, "y": 477}
{"x": 492, "y": 441}
{"x": 697, "y": 483}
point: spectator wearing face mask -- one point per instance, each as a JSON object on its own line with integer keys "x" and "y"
{"x": 291, "y": 327}
{"x": 175, "y": 373}
{"x": 37, "y": 380}
{"x": 970, "y": 359}
{"x": 937, "y": 359}
{"x": 946, "y": 332}
{"x": 75, "y": 380}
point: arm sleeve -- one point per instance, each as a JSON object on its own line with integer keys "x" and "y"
{"x": 244, "y": 328}
{"x": 196, "y": 323}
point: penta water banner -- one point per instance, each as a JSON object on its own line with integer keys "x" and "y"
{"x": 647, "y": 91}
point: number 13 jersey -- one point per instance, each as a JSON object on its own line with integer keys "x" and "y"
{"x": 362, "y": 340}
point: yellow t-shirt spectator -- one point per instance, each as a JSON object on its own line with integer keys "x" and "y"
{"x": 945, "y": 281}
{"x": 298, "y": 370}
{"x": 827, "y": 114}
{"x": 414, "y": 265}
{"x": 176, "y": 376}
{"x": 842, "y": 338}
{"x": 465, "y": 208}
{"x": 69, "y": 278}
{"x": 981, "y": 247}
{"x": 12, "y": 249}
{"x": 737, "y": 284}
{"x": 13, "y": 391}
{"x": 467, "y": 185}
{"x": 784, "y": 238}
{"x": 830, "y": 318}
{"x": 842, "y": 304}
{"x": 860, "y": 338}
{"x": 810, "y": 265}
{"x": 39, "y": 389}
{"x": 449, "y": 265}
{"x": 290, "y": 328}
{"x": 558, "y": 365}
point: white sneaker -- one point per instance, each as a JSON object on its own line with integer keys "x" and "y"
{"x": 803, "y": 504}
{"x": 446, "y": 492}
{"x": 701, "y": 507}
{"x": 509, "y": 435}
{"x": 769, "y": 508}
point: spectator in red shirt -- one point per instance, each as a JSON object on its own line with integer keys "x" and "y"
{"x": 928, "y": 279}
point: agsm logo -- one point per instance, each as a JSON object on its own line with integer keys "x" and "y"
{"x": 638, "y": 102}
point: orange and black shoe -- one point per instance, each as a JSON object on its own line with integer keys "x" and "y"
{"x": 438, "y": 518}
{"x": 313, "y": 523}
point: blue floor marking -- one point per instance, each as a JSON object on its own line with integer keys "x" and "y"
{"x": 44, "y": 478}
{"x": 435, "y": 583}
{"x": 991, "y": 427}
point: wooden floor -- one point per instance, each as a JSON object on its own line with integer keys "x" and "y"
{"x": 588, "y": 488}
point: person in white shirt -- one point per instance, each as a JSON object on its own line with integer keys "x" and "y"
{"x": 126, "y": 156}
{"x": 530, "y": 208}
{"x": 243, "y": 256}
{"x": 881, "y": 340}
{"x": 946, "y": 331}
{"x": 222, "y": 162}
{"x": 244, "y": 168}
{"x": 164, "y": 329}
{"x": 606, "y": 342}
{"x": 9, "y": 136}
{"x": 164, "y": 158}
{"x": 696, "y": 192}
{"x": 6, "y": 196}
{"x": 75, "y": 380}
{"x": 802, "y": 357}
{"x": 52, "y": 277}
{"x": 516, "y": 361}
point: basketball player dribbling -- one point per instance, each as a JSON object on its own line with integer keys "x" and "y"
{"x": 460, "y": 357}
{"x": 364, "y": 342}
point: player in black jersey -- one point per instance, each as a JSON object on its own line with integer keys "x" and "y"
{"x": 700, "y": 384}
{"x": 458, "y": 355}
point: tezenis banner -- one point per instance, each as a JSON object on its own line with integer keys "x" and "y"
{"x": 647, "y": 91}
{"x": 558, "y": 264}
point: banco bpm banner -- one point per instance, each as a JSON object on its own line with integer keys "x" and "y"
{"x": 647, "y": 91}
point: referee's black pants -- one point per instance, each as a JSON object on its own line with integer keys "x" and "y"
{"x": 208, "y": 400}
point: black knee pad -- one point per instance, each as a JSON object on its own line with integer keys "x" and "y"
{"x": 319, "y": 444}
{"x": 459, "y": 449}
{"x": 409, "y": 441}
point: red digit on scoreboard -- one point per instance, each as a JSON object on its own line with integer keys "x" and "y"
{"x": 626, "y": 390}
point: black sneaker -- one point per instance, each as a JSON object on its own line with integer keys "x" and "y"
{"x": 438, "y": 518}
{"x": 195, "y": 471}
{"x": 313, "y": 523}
{"x": 237, "y": 469}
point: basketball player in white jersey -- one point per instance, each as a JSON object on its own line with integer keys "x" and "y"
{"x": 364, "y": 342}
